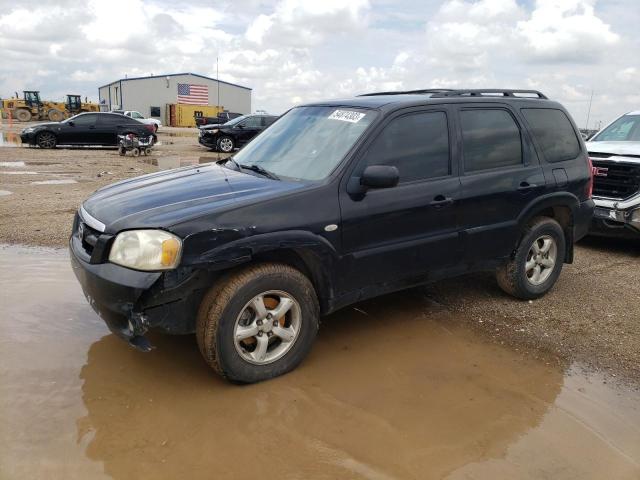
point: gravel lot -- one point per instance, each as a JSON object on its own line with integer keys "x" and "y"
{"x": 593, "y": 314}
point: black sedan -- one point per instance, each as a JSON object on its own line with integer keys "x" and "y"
{"x": 100, "y": 129}
{"x": 235, "y": 133}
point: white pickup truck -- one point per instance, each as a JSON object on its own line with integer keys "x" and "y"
{"x": 615, "y": 155}
{"x": 138, "y": 116}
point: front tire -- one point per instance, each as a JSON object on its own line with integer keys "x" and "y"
{"x": 55, "y": 115}
{"x": 258, "y": 323}
{"x": 536, "y": 265}
{"x": 23, "y": 115}
{"x": 226, "y": 144}
{"x": 46, "y": 140}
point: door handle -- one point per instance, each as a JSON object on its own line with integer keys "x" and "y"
{"x": 525, "y": 186}
{"x": 440, "y": 201}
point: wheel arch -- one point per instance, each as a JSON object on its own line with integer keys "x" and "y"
{"x": 307, "y": 252}
{"x": 560, "y": 206}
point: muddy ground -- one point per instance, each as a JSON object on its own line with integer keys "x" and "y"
{"x": 403, "y": 391}
{"x": 593, "y": 314}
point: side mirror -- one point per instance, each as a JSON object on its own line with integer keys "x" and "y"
{"x": 71, "y": 123}
{"x": 240, "y": 126}
{"x": 380, "y": 176}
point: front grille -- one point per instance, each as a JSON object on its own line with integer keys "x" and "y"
{"x": 89, "y": 237}
{"x": 619, "y": 180}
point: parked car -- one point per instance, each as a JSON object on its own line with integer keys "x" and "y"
{"x": 335, "y": 203}
{"x": 235, "y": 133}
{"x": 615, "y": 154}
{"x": 138, "y": 116}
{"x": 85, "y": 129}
{"x": 223, "y": 117}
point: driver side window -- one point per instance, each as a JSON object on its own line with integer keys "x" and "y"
{"x": 251, "y": 122}
{"x": 84, "y": 120}
{"x": 417, "y": 144}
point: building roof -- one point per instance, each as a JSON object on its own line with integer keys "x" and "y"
{"x": 174, "y": 75}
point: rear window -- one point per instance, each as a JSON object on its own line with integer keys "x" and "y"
{"x": 490, "y": 138}
{"x": 554, "y": 133}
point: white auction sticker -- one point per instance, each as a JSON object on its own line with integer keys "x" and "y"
{"x": 347, "y": 116}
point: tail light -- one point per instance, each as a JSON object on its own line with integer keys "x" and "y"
{"x": 589, "y": 190}
{"x": 149, "y": 127}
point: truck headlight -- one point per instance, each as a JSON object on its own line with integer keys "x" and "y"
{"x": 146, "y": 250}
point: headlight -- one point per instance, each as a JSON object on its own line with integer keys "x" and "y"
{"x": 28, "y": 130}
{"x": 146, "y": 250}
{"x": 212, "y": 131}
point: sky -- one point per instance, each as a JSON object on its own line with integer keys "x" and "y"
{"x": 294, "y": 51}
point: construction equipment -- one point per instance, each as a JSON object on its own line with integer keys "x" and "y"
{"x": 30, "y": 107}
{"x": 75, "y": 105}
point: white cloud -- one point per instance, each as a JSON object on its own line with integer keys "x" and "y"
{"x": 293, "y": 51}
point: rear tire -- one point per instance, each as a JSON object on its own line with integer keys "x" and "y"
{"x": 46, "y": 140}
{"x": 227, "y": 312}
{"x": 23, "y": 115}
{"x": 122, "y": 151}
{"x": 147, "y": 151}
{"x": 536, "y": 265}
{"x": 135, "y": 151}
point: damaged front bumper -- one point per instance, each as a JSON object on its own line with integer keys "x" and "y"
{"x": 131, "y": 302}
{"x": 619, "y": 218}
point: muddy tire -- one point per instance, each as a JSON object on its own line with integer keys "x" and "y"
{"x": 23, "y": 115}
{"x": 46, "y": 140}
{"x": 147, "y": 151}
{"x": 135, "y": 151}
{"x": 55, "y": 115}
{"x": 122, "y": 151}
{"x": 536, "y": 265}
{"x": 225, "y": 144}
{"x": 258, "y": 322}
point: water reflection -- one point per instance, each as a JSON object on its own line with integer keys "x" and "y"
{"x": 10, "y": 139}
{"x": 391, "y": 390}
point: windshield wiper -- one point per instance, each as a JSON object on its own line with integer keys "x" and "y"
{"x": 258, "y": 169}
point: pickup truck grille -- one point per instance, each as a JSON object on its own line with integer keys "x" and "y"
{"x": 89, "y": 237}
{"x": 615, "y": 180}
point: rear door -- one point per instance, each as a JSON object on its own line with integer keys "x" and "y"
{"x": 409, "y": 230}
{"x": 501, "y": 175}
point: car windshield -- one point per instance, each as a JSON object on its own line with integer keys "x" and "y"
{"x": 307, "y": 143}
{"x": 231, "y": 123}
{"x": 624, "y": 129}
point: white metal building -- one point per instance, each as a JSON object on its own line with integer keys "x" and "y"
{"x": 150, "y": 95}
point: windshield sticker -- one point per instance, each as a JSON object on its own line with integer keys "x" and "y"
{"x": 347, "y": 116}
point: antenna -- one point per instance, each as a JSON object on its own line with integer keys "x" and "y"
{"x": 589, "y": 111}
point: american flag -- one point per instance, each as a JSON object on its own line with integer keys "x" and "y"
{"x": 193, "y": 94}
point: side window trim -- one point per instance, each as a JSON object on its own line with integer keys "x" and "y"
{"x": 442, "y": 108}
{"x": 523, "y": 140}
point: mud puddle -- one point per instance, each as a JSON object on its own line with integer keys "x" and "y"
{"x": 392, "y": 389}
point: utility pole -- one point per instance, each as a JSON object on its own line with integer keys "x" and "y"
{"x": 589, "y": 111}
{"x": 218, "y": 81}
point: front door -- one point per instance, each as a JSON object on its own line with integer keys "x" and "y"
{"x": 247, "y": 129}
{"x": 411, "y": 230}
{"x": 79, "y": 130}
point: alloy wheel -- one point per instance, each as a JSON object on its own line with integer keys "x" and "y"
{"x": 267, "y": 327}
{"x": 46, "y": 140}
{"x": 541, "y": 259}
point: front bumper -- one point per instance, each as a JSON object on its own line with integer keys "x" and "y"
{"x": 208, "y": 141}
{"x": 616, "y": 218}
{"x": 28, "y": 138}
{"x": 131, "y": 302}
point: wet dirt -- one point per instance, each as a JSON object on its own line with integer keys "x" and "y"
{"x": 396, "y": 387}
{"x": 10, "y": 139}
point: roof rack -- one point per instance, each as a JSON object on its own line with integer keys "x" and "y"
{"x": 409, "y": 92}
{"x": 491, "y": 93}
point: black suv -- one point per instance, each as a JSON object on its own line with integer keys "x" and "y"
{"x": 235, "y": 133}
{"x": 336, "y": 202}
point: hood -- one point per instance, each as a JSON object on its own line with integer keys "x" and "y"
{"x": 615, "y": 148}
{"x": 164, "y": 199}
{"x": 43, "y": 125}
